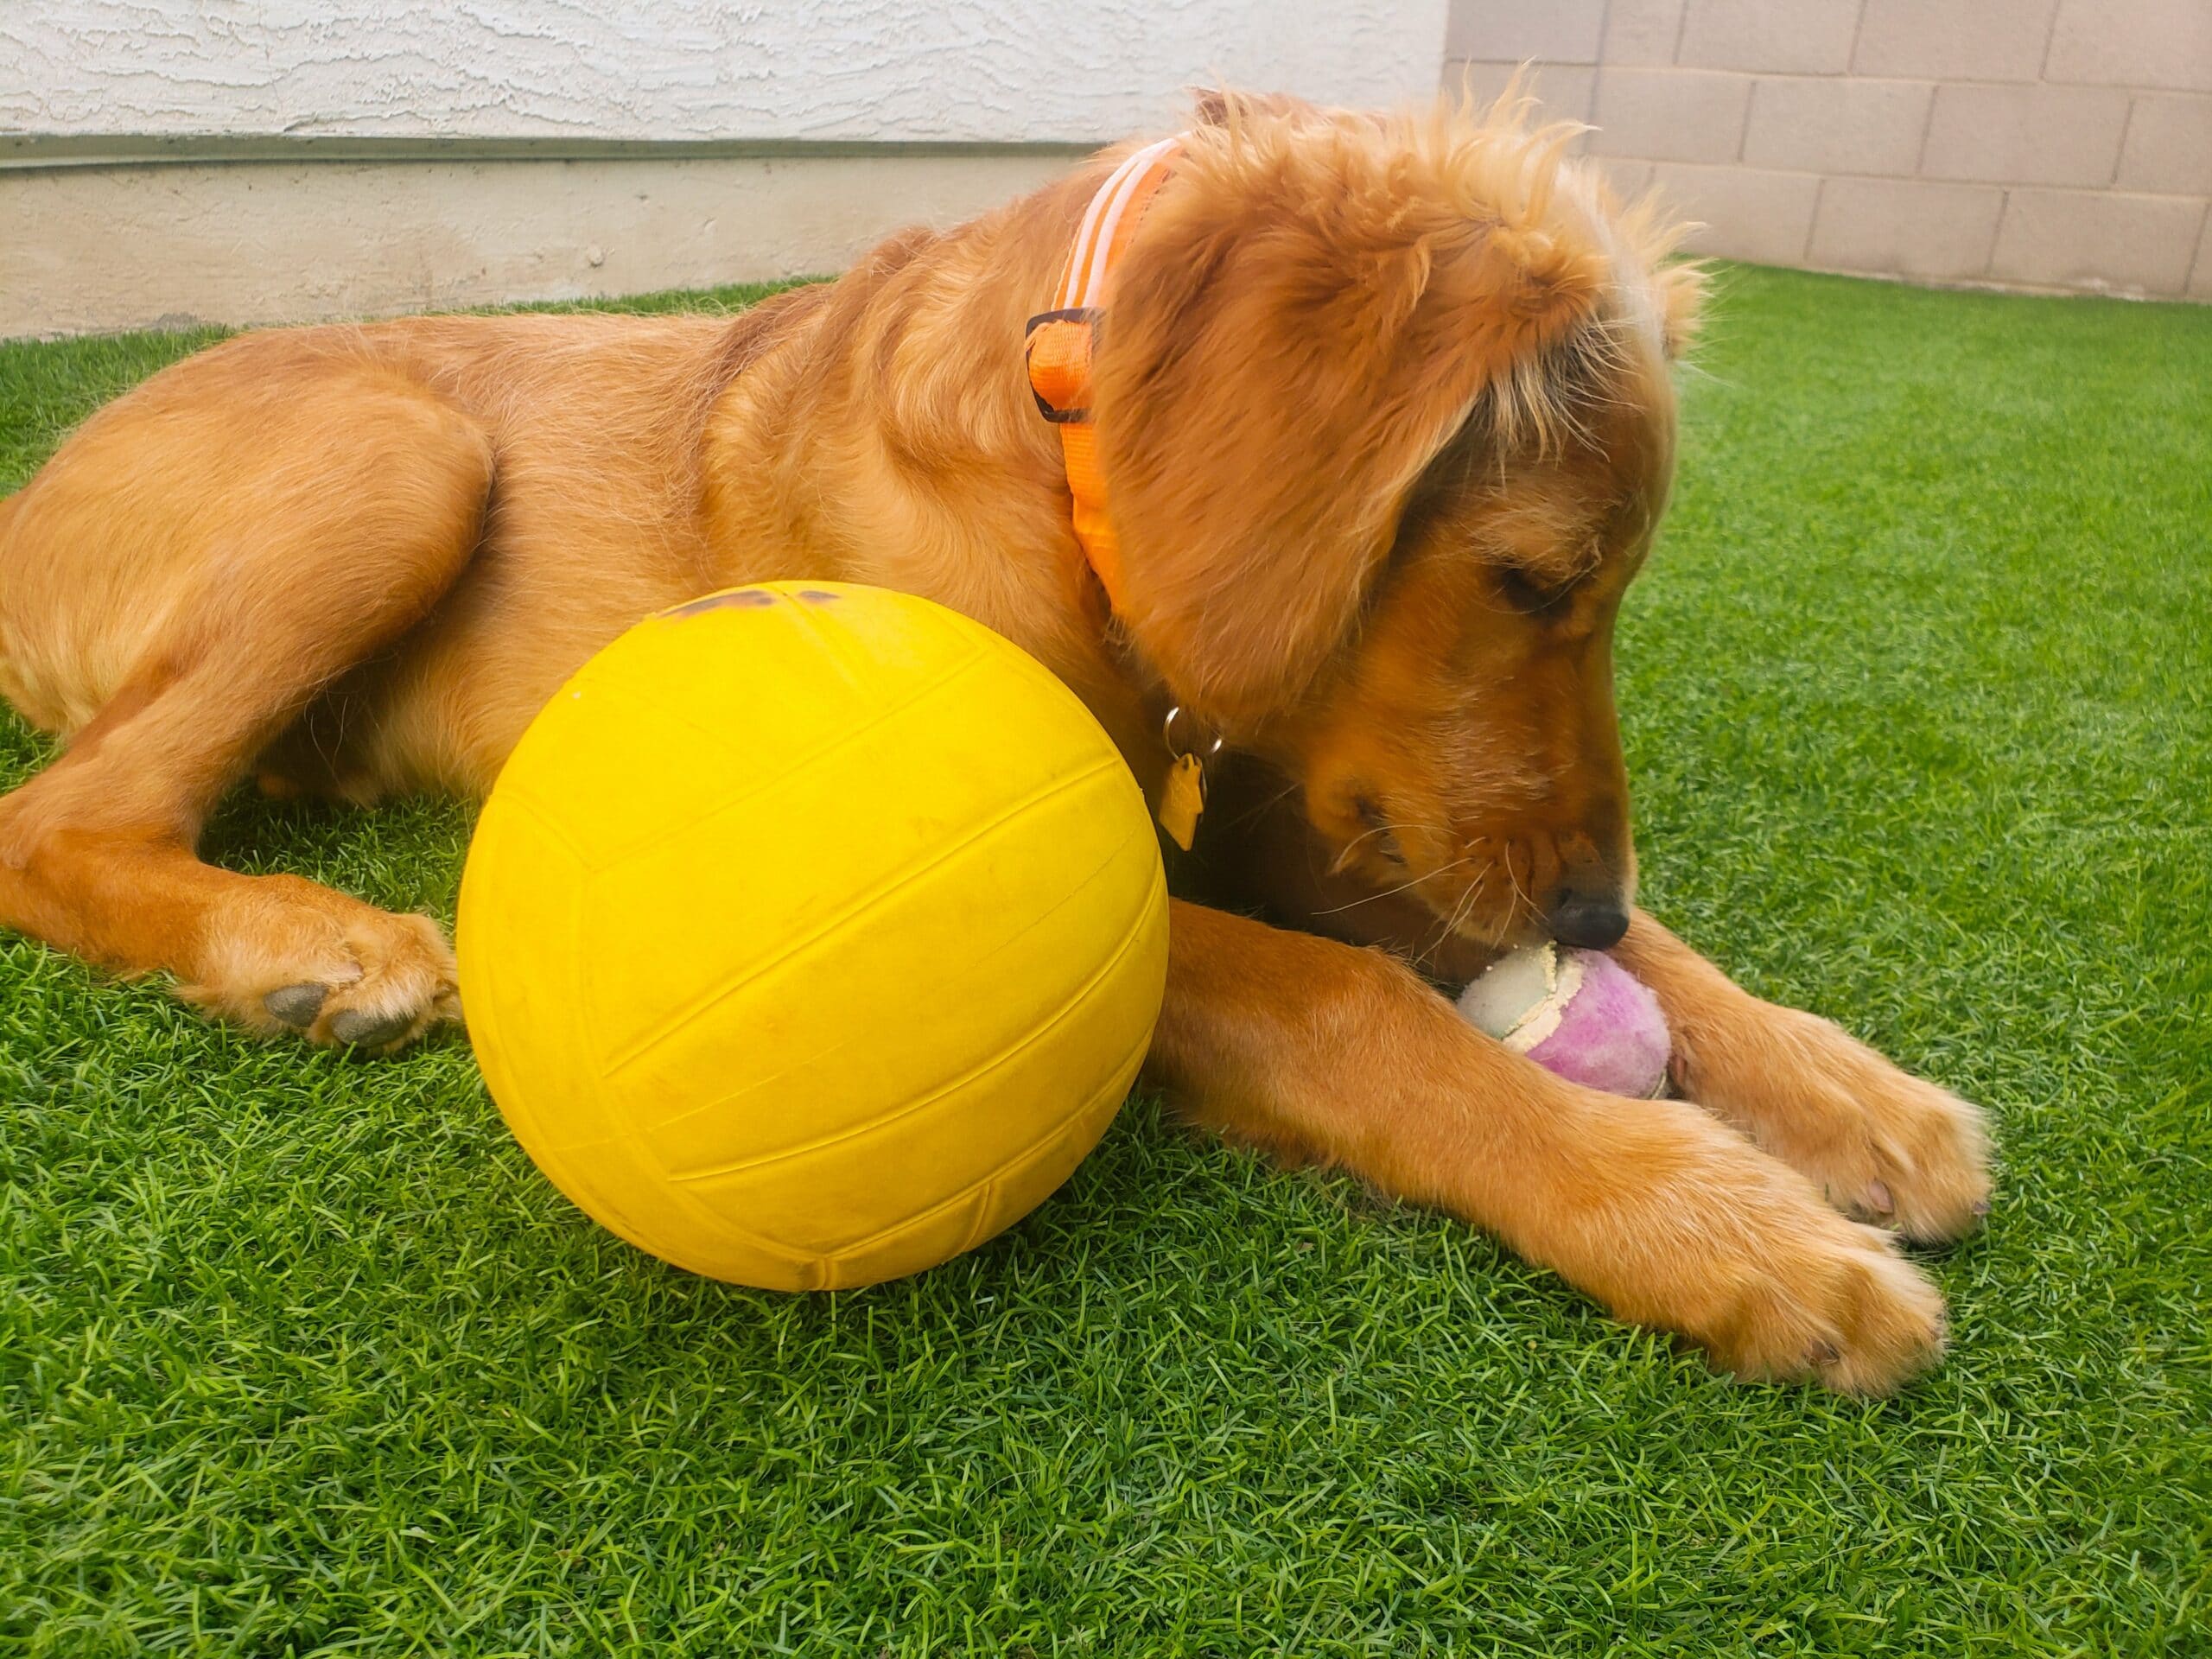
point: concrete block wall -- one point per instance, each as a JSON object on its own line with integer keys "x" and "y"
{"x": 2042, "y": 144}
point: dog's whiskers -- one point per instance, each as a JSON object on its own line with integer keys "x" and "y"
{"x": 1264, "y": 807}
{"x": 1411, "y": 881}
{"x": 1342, "y": 861}
{"x": 1459, "y": 916}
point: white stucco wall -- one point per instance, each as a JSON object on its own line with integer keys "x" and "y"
{"x": 985, "y": 70}
{"x": 275, "y": 161}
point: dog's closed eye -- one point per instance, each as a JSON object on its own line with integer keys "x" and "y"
{"x": 1531, "y": 595}
{"x": 1379, "y": 837}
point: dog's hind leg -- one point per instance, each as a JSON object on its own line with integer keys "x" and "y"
{"x": 255, "y": 575}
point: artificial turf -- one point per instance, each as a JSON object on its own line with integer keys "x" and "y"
{"x": 300, "y": 1355}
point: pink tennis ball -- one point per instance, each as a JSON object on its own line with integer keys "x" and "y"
{"x": 1577, "y": 1013}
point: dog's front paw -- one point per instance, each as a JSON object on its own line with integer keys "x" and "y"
{"x": 303, "y": 959}
{"x": 1882, "y": 1145}
{"x": 1737, "y": 1251}
{"x": 1842, "y": 1309}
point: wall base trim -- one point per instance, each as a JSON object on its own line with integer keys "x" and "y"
{"x": 44, "y": 149}
{"x": 242, "y": 240}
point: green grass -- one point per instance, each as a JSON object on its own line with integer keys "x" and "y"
{"x": 300, "y": 1355}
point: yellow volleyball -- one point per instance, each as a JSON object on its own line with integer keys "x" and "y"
{"x": 811, "y": 935}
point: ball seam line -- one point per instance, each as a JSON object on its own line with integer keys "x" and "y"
{"x": 1029, "y": 1039}
{"x": 754, "y": 973}
{"x": 1114, "y": 1082}
{"x": 759, "y": 787}
{"x": 722, "y": 1103}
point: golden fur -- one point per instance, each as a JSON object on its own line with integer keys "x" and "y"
{"x": 1385, "y": 406}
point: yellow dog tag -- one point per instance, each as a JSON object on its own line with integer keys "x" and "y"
{"x": 1182, "y": 798}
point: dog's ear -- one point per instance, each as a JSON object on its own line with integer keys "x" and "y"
{"x": 1678, "y": 286}
{"x": 1218, "y": 107}
{"x": 1681, "y": 297}
{"x": 1277, "y": 367}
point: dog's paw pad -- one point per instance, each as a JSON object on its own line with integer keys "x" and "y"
{"x": 362, "y": 1029}
{"x": 296, "y": 1006}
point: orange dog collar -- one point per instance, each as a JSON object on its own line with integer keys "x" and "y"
{"x": 1061, "y": 341}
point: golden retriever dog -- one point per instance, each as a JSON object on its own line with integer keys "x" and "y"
{"x": 1384, "y": 407}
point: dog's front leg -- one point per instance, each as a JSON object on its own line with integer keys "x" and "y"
{"x": 1665, "y": 1215}
{"x": 1881, "y": 1144}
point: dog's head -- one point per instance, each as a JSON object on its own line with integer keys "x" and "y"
{"x": 1385, "y": 408}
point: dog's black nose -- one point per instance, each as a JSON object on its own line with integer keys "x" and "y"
{"x": 1592, "y": 921}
